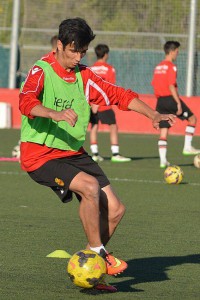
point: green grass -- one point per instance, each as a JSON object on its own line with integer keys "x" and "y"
{"x": 159, "y": 235}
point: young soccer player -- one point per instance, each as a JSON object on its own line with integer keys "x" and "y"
{"x": 55, "y": 104}
{"x": 104, "y": 114}
{"x": 168, "y": 101}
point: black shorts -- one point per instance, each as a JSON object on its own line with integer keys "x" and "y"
{"x": 58, "y": 174}
{"x": 167, "y": 105}
{"x": 105, "y": 117}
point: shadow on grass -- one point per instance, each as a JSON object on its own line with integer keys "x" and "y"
{"x": 135, "y": 158}
{"x": 186, "y": 165}
{"x": 152, "y": 157}
{"x": 152, "y": 269}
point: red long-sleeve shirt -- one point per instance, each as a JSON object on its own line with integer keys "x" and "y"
{"x": 97, "y": 91}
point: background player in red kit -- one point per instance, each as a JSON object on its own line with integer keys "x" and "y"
{"x": 165, "y": 87}
{"x": 104, "y": 114}
{"x": 53, "y": 42}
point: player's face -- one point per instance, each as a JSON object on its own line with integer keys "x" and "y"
{"x": 69, "y": 57}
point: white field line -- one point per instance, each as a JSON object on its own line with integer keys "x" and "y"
{"x": 147, "y": 181}
{"x": 111, "y": 179}
{"x": 12, "y": 173}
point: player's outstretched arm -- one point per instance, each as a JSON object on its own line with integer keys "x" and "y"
{"x": 142, "y": 108}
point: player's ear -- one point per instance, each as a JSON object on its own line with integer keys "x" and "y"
{"x": 59, "y": 45}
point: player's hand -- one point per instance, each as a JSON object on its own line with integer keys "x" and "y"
{"x": 163, "y": 117}
{"x": 67, "y": 115}
{"x": 94, "y": 108}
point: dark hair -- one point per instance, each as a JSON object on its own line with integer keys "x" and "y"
{"x": 75, "y": 31}
{"x": 101, "y": 50}
{"x": 171, "y": 46}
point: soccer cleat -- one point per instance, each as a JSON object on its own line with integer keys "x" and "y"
{"x": 114, "y": 265}
{"x": 120, "y": 158}
{"x": 97, "y": 158}
{"x": 191, "y": 151}
{"x": 104, "y": 286}
{"x": 164, "y": 165}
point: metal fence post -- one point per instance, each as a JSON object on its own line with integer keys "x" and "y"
{"x": 14, "y": 44}
{"x": 191, "y": 48}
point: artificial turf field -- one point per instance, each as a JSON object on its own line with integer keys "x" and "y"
{"x": 159, "y": 236}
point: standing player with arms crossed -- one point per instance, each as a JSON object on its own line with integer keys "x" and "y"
{"x": 55, "y": 106}
{"x": 165, "y": 87}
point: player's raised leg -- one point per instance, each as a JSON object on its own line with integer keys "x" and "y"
{"x": 111, "y": 213}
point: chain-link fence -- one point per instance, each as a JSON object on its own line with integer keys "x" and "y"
{"x": 134, "y": 30}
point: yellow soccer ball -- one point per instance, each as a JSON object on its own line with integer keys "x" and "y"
{"x": 173, "y": 174}
{"x": 86, "y": 268}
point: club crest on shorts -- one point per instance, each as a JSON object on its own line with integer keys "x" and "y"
{"x": 59, "y": 181}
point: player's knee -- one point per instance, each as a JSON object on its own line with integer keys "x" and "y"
{"x": 91, "y": 188}
{"x": 192, "y": 119}
{"x": 118, "y": 213}
{"x": 122, "y": 210}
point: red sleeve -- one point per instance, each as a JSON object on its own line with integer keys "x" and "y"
{"x": 28, "y": 97}
{"x": 103, "y": 93}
